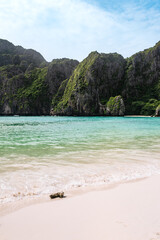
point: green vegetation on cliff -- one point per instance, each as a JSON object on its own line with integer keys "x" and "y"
{"x": 77, "y": 83}
{"x": 102, "y": 84}
{"x": 27, "y": 82}
{"x": 90, "y": 84}
{"x": 33, "y": 95}
{"x": 59, "y": 94}
{"x": 115, "y": 106}
{"x": 142, "y": 81}
{"x": 149, "y": 107}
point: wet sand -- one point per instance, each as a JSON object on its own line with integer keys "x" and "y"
{"x": 129, "y": 211}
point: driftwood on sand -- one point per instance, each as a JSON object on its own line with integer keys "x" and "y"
{"x": 57, "y": 195}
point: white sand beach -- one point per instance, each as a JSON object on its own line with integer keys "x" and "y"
{"x": 129, "y": 211}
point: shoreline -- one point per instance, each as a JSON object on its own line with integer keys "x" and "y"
{"x": 75, "y": 116}
{"x": 13, "y": 206}
{"x": 125, "y": 211}
{"x": 137, "y": 116}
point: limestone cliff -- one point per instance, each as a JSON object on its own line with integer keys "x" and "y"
{"x": 101, "y": 76}
{"x": 115, "y": 106}
{"x": 92, "y": 83}
{"x": 102, "y": 84}
{"x": 142, "y": 82}
{"x": 27, "y": 81}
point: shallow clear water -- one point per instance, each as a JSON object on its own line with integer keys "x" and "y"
{"x": 40, "y": 155}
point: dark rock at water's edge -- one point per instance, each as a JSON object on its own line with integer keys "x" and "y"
{"x": 100, "y": 85}
{"x": 157, "y": 111}
{"x": 115, "y": 106}
{"x": 57, "y": 195}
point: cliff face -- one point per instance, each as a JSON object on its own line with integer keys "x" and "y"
{"x": 17, "y": 55}
{"x": 157, "y": 111}
{"x": 58, "y": 71}
{"x": 101, "y": 76}
{"x": 92, "y": 83}
{"x": 27, "y": 81}
{"x": 115, "y": 106}
{"x": 102, "y": 84}
{"x": 142, "y": 81}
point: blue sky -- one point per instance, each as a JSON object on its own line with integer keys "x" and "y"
{"x": 74, "y": 28}
{"x": 115, "y": 5}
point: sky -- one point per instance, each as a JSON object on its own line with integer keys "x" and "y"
{"x": 74, "y": 28}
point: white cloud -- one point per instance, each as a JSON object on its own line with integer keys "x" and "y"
{"x": 73, "y": 28}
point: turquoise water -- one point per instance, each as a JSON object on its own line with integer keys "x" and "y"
{"x": 40, "y": 155}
